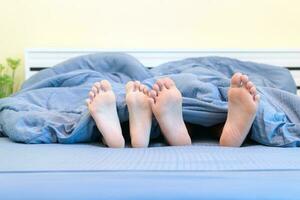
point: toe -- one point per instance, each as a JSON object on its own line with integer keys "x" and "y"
{"x": 137, "y": 85}
{"x": 95, "y": 90}
{"x": 91, "y": 95}
{"x": 160, "y": 83}
{"x": 156, "y": 87}
{"x": 236, "y": 80}
{"x": 249, "y": 85}
{"x": 97, "y": 85}
{"x": 148, "y": 93}
{"x": 88, "y": 101}
{"x": 257, "y": 98}
{"x": 153, "y": 93}
{"x": 145, "y": 90}
{"x": 130, "y": 86}
{"x": 253, "y": 90}
{"x": 105, "y": 85}
{"x": 141, "y": 88}
{"x": 168, "y": 83}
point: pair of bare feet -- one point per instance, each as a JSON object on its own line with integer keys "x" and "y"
{"x": 165, "y": 102}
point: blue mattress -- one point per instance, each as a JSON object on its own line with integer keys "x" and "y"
{"x": 91, "y": 171}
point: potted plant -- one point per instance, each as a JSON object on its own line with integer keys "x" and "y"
{"x": 7, "y": 81}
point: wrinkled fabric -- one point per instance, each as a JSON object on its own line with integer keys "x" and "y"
{"x": 51, "y": 108}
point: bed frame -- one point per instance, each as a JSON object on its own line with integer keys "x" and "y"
{"x": 37, "y": 59}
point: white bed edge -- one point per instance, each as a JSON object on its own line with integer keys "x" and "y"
{"x": 40, "y": 58}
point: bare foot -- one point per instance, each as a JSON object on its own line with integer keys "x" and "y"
{"x": 140, "y": 114}
{"x": 243, "y": 101}
{"x": 102, "y": 106}
{"x": 166, "y": 104}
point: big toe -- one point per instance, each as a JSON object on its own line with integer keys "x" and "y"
{"x": 130, "y": 86}
{"x": 168, "y": 83}
{"x": 105, "y": 85}
{"x": 236, "y": 80}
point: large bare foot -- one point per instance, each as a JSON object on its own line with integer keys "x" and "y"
{"x": 166, "y": 104}
{"x": 102, "y": 106}
{"x": 140, "y": 114}
{"x": 243, "y": 101}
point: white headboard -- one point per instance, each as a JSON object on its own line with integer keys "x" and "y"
{"x": 38, "y": 59}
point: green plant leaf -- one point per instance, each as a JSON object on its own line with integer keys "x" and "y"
{"x": 13, "y": 63}
{"x": 7, "y": 81}
{"x": 2, "y": 68}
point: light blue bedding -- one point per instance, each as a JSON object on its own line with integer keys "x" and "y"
{"x": 50, "y": 107}
{"x": 201, "y": 156}
{"x": 187, "y": 185}
{"x": 202, "y": 171}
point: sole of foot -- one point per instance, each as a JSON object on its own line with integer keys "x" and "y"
{"x": 166, "y": 104}
{"x": 102, "y": 106}
{"x": 140, "y": 114}
{"x": 243, "y": 102}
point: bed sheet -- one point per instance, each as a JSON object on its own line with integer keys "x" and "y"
{"x": 202, "y": 156}
{"x": 149, "y": 185}
{"x": 91, "y": 171}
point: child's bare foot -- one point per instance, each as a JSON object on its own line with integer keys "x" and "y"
{"x": 140, "y": 114}
{"x": 166, "y": 104}
{"x": 102, "y": 106}
{"x": 243, "y": 101}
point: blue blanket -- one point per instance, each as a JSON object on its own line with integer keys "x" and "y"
{"x": 51, "y": 108}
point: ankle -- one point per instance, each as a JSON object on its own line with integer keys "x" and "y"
{"x": 228, "y": 138}
{"x": 119, "y": 143}
{"x": 139, "y": 143}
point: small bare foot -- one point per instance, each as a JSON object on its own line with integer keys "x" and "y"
{"x": 166, "y": 104}
{"x": 140, "y": 114}
{"x": 243, "y": 101}
{"x": 102, "y": 106}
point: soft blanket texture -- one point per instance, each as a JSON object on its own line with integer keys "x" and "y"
{"x": 51, "y": 108}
